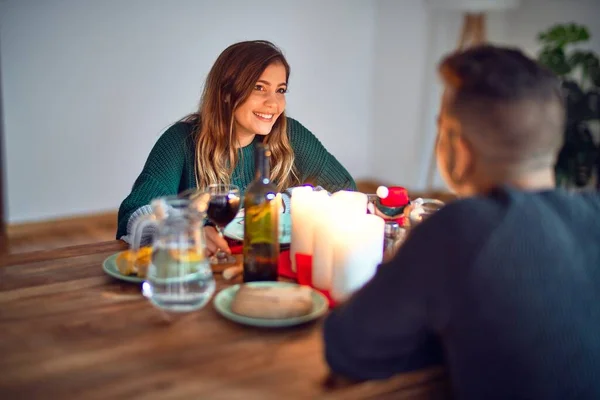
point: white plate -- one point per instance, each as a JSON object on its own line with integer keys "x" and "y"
{"x": 235, "y": 229}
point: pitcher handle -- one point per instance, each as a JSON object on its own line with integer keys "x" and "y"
{"x": 139, "y": 225}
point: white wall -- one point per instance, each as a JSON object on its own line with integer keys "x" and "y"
{"x": 88, "y": 85}
{"x": 401, "y": 40}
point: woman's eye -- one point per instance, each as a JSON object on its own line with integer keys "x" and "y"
{"x": 282, "y": 90}
{"x": 259, "y": 87}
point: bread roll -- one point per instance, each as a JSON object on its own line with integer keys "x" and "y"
{"x": 272, "y": 302}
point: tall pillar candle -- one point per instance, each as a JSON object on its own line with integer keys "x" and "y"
{"x": 325, "y": 222}
{"x": 357, "y": 251}
{"x": 354, "y": 202}
{"x": 305, "y": 201}
{"x": 342, "y": 206}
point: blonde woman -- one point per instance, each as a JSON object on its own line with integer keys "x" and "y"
{"x": 243, "y": 103}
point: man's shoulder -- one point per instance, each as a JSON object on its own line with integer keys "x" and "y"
{"x": 464, "y": 223}
{"x": 478, "y": 210}
{"x": 460, "y": 221}
{"x": 496, "y": 203}
{"x": 482, "y": 214}
{"x": 583, "y": 202}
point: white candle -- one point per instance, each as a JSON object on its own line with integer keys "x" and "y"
{"x": 304, "y": 204}
{"x": 325, "y": 220}
{"x": 354, "y": 202}
{"x": 357, "y": 251}
{"x": 342, "y": 206}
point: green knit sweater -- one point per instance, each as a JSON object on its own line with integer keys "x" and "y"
{"x": 170, "y": 168}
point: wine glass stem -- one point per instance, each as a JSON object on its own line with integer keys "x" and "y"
{"x": 220, "y": 252}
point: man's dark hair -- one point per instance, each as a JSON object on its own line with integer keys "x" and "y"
{"x": 509, "y": 106}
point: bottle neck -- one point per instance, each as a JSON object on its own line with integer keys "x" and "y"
{"x": 262, "y": 169}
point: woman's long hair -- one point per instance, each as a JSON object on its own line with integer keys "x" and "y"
{"x": 229, "y": 83}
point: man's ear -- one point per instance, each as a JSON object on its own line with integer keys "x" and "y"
{"x": 463, "y": 159}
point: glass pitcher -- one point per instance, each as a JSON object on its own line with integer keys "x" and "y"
{"x": 179, "y": 278}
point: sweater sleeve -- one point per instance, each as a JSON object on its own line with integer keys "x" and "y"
{"x": 161, "y": 175}
{"x": 314, "y": 163}
{"x": 383, "y": 329}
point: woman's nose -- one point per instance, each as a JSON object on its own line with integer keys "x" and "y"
{"x": 272, "y": 100}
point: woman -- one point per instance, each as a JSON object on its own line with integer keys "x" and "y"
{"x": 243, "y": 103}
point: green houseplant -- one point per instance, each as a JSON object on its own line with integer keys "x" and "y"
{"x": 579, "y": 69}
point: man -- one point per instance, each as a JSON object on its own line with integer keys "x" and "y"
{"x": 503, "y": 286}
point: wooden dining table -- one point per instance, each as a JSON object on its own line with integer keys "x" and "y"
{"x": 68, "y": 330}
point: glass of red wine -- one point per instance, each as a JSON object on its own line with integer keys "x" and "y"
{"x": 223, "y": 206}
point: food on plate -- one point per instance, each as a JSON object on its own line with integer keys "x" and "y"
{"x": 272, "y": 302}
{"x": 130, "y": 262}
{"x": 186, "y": 256}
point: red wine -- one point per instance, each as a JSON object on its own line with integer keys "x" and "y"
{"x": 223, "y": 208}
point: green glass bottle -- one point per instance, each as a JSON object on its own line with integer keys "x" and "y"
{"x": 261, "y": 222}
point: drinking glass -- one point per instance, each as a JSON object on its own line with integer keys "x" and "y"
{"x": 223, "y": 206}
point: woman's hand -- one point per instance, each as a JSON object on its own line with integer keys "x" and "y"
{"x": 214, "y": 241}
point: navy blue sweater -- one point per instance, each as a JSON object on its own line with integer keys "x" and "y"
{"x": 503, "y": 289}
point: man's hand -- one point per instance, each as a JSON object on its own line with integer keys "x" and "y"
{"x": 214, "y": 241}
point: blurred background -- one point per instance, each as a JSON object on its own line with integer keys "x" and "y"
{"x": 89, "y": 85}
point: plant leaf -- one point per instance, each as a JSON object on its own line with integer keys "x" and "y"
{"x": 555, "y": 59}
{"x": 562, "y": 34}
{"x": 586, "y": 60}
{"x": 577, "y": 33}
{"x": 583, "y": 58}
